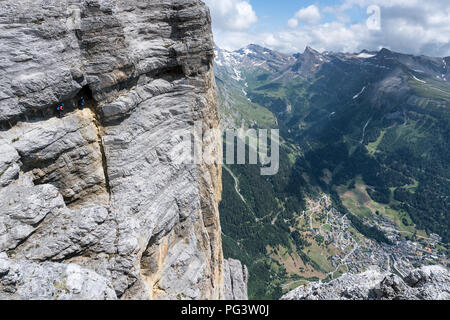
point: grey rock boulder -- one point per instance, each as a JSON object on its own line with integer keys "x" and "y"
{"x": 50, "y": 281}
{"x": 426, "y": 283}
{"x": 23, "y": 208}
{"x": 9, "y": 166}
{"x": 236, "y": 278}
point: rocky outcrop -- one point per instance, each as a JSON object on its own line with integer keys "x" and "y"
{"x": 426, "y": 283}
{"x": 96, "y": 202}
{"x": 236, "y": 278}
{"x": 308, "y": 63}
{"x": 49, "y": 280}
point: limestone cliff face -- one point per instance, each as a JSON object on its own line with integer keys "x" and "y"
{"x": 236, "y": 277}
{"x": 94, "y": 203}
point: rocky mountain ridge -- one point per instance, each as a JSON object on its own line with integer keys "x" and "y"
{"x": 426, "y": 283}
{"x": 310, "y": 61}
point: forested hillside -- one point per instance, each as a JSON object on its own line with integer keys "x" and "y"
{"x": 370, "y": 131}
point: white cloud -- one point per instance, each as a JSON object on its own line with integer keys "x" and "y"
{"x": 232, "y": 40}
{"x": 309, "y": 15}
{"x": 231, "y": 15}
{"x": 293, "y": 23}
{"x": 409, "y": 26}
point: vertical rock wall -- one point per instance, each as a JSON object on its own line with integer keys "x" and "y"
{"x": 94, "y": 202}
{"x": 236, "y": 277}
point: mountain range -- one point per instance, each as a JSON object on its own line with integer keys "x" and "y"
{"x": 364, "y": 164}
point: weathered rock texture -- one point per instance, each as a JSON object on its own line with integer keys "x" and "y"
{"x": 50, "y": 280}
{"x": 95, "y": 204}
{"x": 426, "y": 283}
{"x": 236, "y": 278}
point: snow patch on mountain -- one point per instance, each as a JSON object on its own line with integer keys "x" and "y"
{"x": 356, "y": 96}
{"x": 364, "y": 55}
{"x": 415, "y": 78}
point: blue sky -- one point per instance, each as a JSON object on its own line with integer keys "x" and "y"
{"x": 278, "y": 12}
{"x": 410, "y": 26}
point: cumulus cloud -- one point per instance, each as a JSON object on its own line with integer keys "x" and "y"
{"x": 231, "y": 15}
{"x": 409, "y": 26}
{"x": 293, "y": 23}
{"x": 308, "y": 15}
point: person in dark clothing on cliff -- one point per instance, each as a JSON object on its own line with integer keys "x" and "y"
{"x": 82, "y": 102}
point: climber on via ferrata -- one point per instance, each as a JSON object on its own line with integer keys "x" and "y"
{"x": 60, "y": 109}
{"x": 82, "y": 102}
